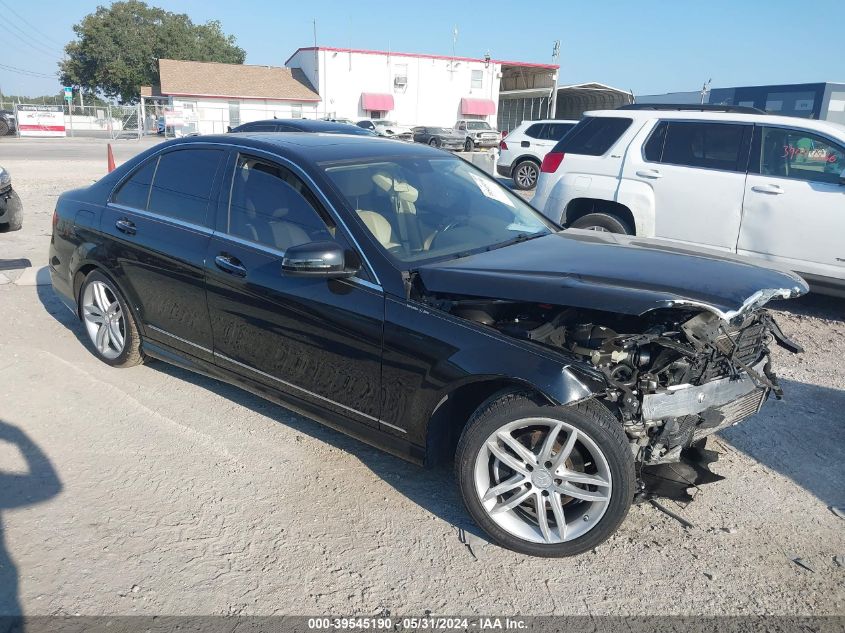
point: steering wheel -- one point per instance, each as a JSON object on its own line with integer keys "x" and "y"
{"x": 441, "y": 231}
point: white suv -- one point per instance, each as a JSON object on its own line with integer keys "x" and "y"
{"x": 728, "y": 178}
{"x": 522, "y": 151}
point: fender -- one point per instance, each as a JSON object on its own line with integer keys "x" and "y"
{"x": 639, "y": 198}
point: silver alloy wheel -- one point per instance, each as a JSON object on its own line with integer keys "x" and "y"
{"x": 526, "y": 175}
{"x": 600, "y": 229}
{"x": 104, "y": 319}
{"x": 543, "y": 480}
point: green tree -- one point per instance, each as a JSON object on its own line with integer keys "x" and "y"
{"x": 118, "y": 47}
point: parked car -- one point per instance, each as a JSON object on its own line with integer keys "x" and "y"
{"x": 8, "y": 123}
{"x": 477, "y": 134}
{"x": 522, "y": 152}
{"x": 339, "y": 120}
{"x": 11, "y": 209}
{"x": 737, "y": 180}
{"x": 301, "y": 125}
{"x": 395, "y": 292}
{"x": 442, "y": 137}
{"x": 389, "y": 129}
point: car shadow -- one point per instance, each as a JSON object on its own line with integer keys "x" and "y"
{"x": 801, "y": 437}
{"x": 433, "y": 489}
{"x": 813, "y": 305}
{"x": 38, "y": 483}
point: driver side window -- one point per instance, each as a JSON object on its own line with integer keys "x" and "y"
{"x": 269, "y": 205}
{"x": 797, "y": 154}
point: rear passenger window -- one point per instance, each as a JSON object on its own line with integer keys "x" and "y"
{"x": 135, "y": 191}
{"x": 653, "y": 150}
{"x": 271, "y": 206}
{"x": 535, "y": 131}
{"x": 593, "y": 136}
{"x": 183, "y": 184}
{"x": 708, "y": 145}
{"x": 798, "y": 154}
{"x": 556, "y": 131}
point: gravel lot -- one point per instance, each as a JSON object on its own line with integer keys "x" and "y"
{"x": 154, "y": 491}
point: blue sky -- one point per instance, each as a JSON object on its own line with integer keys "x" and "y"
{"x": 643, "y": 45}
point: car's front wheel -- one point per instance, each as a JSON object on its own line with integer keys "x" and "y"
{"x": 543, "y": 480}
{"x": 469, "y": 145}
{"x": 603, "y": 222}
{"x": 433, "y": 142}
{"x": 109, "y": 322}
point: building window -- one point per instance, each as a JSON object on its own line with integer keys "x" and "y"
{"x": 234, "y": 113}
{"x": 296, "y": 111}
{"x": 400, "y": 77}
{"x": 477, "y": 79}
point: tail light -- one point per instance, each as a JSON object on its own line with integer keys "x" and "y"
{"x": 55, "y": 217}
{"x": 551, "y": 162}
{"x": 503, "y": 145}
{"x": 504, "y": 134}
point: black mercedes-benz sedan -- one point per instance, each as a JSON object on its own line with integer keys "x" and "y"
{"x": 397, "y": 293}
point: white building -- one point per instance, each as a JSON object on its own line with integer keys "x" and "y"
{"x": 415, "y": 89}
{"x": 209, "y": 98}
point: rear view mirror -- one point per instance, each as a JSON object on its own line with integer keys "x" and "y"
{"x": 319, "y": 259}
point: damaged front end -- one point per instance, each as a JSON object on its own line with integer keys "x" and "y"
{"x": 673, "y": 376}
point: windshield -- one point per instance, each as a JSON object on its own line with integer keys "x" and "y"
{"x": 478, "y": 125}
{"x": 421, "y": 209}
{"x": 386, "y": 122}
{"x": 442, "y": 130}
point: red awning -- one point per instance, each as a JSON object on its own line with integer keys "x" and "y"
{"x": 477, "y": 106}
{"x": 376, "y": 101}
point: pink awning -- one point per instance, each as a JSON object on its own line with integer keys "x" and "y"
{"x": 478, "y": 106}
{"x": 376, "y": 101}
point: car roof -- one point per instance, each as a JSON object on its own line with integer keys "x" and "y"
{"x": 318, "y": 148}
{"x": 828, "y": 127}
{"x": 305, "y": 125}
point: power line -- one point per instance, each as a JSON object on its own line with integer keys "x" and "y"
{"x": 30, "y": 73}
{"x": 52, "y": 56}
{"x": 30, "y": 25}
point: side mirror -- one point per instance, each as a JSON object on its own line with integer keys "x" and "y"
{"x": 319, "y": 259}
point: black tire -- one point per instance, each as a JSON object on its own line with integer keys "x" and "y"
{"x": 13, "y": 204}
{"x": 589, "y": 418}
{"x": 602, "y": 222}
{"x": 469, "y": 145}
{"x": 4, "y": 128}
{"x": 131, "y": 354}
{"x": 526, "y": 180}
{"x": 434, "y": 143}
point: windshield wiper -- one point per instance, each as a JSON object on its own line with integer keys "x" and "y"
{"x": 521, "y": 237}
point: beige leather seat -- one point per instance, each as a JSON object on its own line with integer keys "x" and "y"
{"x": 357, "y": 185}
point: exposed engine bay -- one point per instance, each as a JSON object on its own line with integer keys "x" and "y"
{"x": 674, "y": 376}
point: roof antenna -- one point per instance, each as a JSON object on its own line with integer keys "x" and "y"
{"x": 314, "y": 22}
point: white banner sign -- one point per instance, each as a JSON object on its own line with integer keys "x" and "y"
{"x": 40, "y": 120}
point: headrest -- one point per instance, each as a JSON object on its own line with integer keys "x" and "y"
{"x": 353, "y": 182}
{"x": 403, "y": 190}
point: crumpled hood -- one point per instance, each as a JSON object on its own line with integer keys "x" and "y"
{"x": 616, "y": 273}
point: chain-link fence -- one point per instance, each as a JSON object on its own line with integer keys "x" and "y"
{"x": 91, "y": 121}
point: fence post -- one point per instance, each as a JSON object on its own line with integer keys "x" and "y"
{"x": 70, "y": 115}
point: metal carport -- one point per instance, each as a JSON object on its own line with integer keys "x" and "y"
{"x": 574, "y": 100}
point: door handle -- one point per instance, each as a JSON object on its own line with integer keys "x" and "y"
{"x": 125, "y": 226}
{"x": 772, "y": 189}
{"x": 229, "y": 264}
{"x": 649, "y": 173}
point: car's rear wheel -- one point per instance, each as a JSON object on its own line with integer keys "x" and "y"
{"x": 109, "y": 322}
{"x": 14, "y": 208}
{"x": 4, "y": 128}
{"x": 525, "y": 174}
{"x": 543, "y": 480}
{"x": 469, "y": 145}
{"x": 604, "y": 222}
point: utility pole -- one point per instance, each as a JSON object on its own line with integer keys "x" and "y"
{"x": 705, "y": 90}
{"x": 552, "y": 113}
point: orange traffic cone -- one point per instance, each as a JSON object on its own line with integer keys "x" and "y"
{"x": 110, "y": 159}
